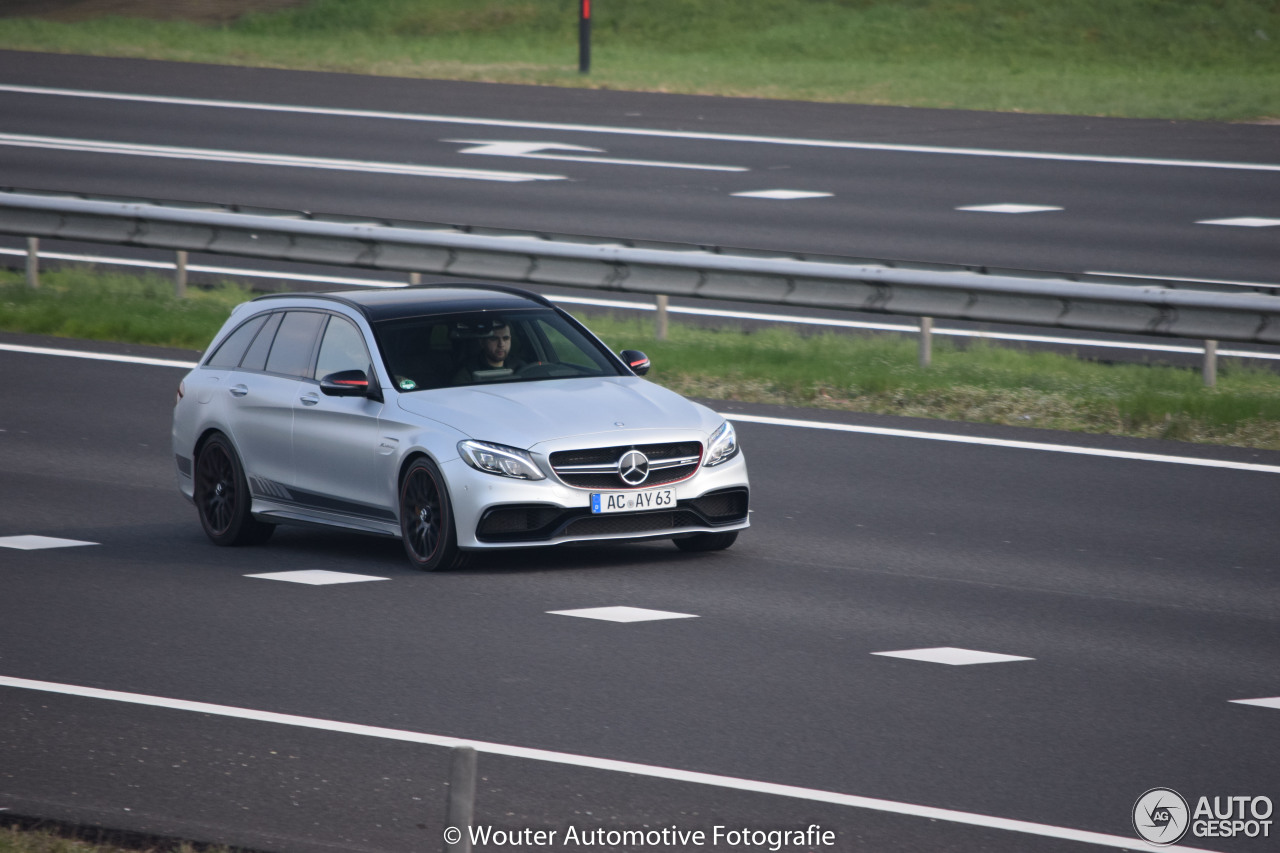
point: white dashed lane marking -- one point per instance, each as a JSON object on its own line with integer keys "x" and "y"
{"x": 1243, "y": 222}
{"x": 1272, "y": 702}
{"x": 39, "y": 543}
{"x": 316, "y": 577}
{"x": 622, "y": 614}
{"x": 783, "y": 195}
{"x": 952, "y": 656}
{"x": 1008, "y": 208}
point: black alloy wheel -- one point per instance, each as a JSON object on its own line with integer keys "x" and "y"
{"x": 222, "y": 496}
{"x": 426, "y": 519}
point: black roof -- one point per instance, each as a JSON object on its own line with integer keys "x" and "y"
{"x": 418, "y": 300}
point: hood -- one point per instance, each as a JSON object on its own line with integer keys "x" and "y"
{"x": 524, "y": 414}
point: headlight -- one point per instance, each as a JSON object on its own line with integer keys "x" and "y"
{"x": 722, "y": 447}
{"x": 499, "y": 459}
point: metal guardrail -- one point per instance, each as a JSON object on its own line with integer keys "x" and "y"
{"x": 1096, "y": 303}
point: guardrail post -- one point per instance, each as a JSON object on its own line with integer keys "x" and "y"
{"x": 180, "y": 275}
{"x": 33, "y": 262}
{"x": 1210, "y": 369}
{"x": 415, "y": 278}
{"x": 660, "y": 319}
{"x": 462, "y": 800}
{"x": 926, "y": 341}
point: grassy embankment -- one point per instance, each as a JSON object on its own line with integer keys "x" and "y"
{"x": 868, "y": 373}
{"x": 1196, "y": 59}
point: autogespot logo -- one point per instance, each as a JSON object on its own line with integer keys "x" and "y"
{"x": 1160, "y": 817}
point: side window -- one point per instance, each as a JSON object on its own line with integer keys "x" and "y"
{"x": 294, "y": 343}
{"x": 342, "y": 348}
{"x": 256, "y": 357}
{"x": 232, "y": 348}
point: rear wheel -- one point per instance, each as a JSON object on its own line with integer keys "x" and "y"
{"x": 426, "y": 519}
{"x": 222, "y": 496}
{"x": 707, "y": 541}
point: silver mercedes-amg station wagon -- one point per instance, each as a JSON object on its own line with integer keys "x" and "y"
{"x": 457, "y": 418}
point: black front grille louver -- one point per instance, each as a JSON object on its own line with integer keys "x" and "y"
{"x": 597, "y": 467}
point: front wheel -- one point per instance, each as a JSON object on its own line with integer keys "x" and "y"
{"x": 707, "y": 541}
{"x": 426, "y": 519}
{"x": 222, "y": 496}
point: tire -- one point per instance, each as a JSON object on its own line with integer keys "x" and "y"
{"x": 707, "y": 541}
{"x": 426, "y": 519}
{"x": 222, "y": 496}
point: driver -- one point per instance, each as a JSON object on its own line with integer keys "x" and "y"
{"x": 494, "y": 354}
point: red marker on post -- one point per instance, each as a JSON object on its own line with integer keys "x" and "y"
{"x": 584, "y": 37}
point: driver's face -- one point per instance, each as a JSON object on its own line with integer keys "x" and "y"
{"x": 497, "y": 346}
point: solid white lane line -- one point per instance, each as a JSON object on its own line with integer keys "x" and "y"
{"x": 644, "y": 132}
{"x": 589, "y": 762}
{"x": 96, "y": 356}
{"x": 675, "y": 309}
{"x": 94, "y": 146}
{"x": 1228, "y": 281}
{"x": 1000, "y": 442}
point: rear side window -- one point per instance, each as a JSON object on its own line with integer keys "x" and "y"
{"x": 294, "y": 343}
{"x": 256, "y": 357}
{"x": 232, "y": 349}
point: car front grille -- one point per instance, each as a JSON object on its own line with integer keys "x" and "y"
{"x": 601, "y": 467}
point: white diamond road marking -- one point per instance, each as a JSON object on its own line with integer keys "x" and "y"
{"x": 1009, "y": 208}
{"x": 1273, "y": 702}
{"x": 1242, "y": 222}
{"x": 951, "y": 656}
{"x": 622, "y": 614}
{"x": 317, "y": 577}
{"x": 38, "y": 543}
{"x": 782, "y": 195}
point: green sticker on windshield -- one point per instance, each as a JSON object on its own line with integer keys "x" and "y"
{"x": 407, "y": 384}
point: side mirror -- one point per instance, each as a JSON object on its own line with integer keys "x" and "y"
{"x": 636, "y": 360}
{"x": 345, "y": 383}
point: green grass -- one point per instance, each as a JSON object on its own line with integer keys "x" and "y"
{"x": 80, "y": 303}
{"x": 1201, "y": 59}
{"x": 857, "y": 372}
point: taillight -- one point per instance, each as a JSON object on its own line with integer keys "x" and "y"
{"x": 182, "y": 390}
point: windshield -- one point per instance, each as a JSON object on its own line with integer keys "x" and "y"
{"x": 483, "y": 347}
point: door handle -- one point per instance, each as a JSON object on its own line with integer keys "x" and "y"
{"x": 310, "y": 399}
{"x": 238, "y": 390}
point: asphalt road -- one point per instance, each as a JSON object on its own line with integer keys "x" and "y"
{"x": 1107, "y": 195}
{"x": 1143, "y": 594}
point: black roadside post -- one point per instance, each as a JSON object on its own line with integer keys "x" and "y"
{"x": 584, "y": 36}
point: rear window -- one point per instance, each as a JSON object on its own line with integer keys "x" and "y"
{"x": 232, "y": 348}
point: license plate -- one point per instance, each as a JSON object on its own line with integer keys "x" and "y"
{"x": 603, "y": 502}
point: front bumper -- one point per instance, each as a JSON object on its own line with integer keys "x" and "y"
{"x": 495, "y": 512}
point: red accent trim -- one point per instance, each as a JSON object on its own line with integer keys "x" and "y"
{"x": 586, "y": 10}
{"x": 351, "y": 382}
